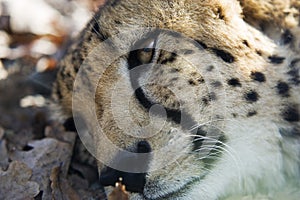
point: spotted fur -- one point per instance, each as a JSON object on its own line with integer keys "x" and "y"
{"x": 222, "y": 70}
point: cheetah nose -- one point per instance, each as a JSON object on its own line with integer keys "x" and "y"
{"x": 134, "y": 182}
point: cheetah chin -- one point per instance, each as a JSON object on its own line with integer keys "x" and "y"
{"x": 188, "y": 99}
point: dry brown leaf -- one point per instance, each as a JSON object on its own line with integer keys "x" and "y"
{"x": 15, "y": 182}
{"x": 46, "y": 155}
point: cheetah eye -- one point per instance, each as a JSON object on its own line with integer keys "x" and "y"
{"x": 146, "y": 52}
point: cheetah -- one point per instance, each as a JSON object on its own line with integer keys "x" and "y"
{"x": 188, "y": 99}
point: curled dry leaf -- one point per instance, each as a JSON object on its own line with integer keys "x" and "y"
{"x": 15, "y": 182}
{"x": 45, "y": 155}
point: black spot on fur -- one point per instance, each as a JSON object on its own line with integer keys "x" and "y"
{"x": 287, "y": 37}
{"x": 205, "y": 100}
{"x": 200, "y": 80}
{"x": 258, "y": 76}
{"x": 212, "y": 96}
{"x": 226, "y": 56}
{"x": 251, "y": 113}
{"x": 235, "y": 82}
{"x": 188, "y": 51}
{"x": 291, "y": 113}
{"x": 203, "y": 45}
{"x": 251, "y": 96}
{"x": 192, "y": 82}
{"x": 294, "y": 72}
{"x": 234, "y": 115}
{"x": 170, "y": 59}
{"x": 216, "y": 84}
{"x": 258, "y": 52}
{"x": 245, "y": 42}
{"x": 114, "y": 3}
{"x": 221, "y": 14}
{"x": 276, "y": 59}
{"x": 174, "y": 79}
{"x": 283, "y": 89}
{"x": 174, "y": 70}
{"x": 210, "y": 68}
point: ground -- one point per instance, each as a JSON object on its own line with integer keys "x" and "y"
{"x": 37, "y": 155}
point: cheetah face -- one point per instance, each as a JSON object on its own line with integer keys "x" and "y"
{"x": 155, "y": 118}
{"x": 182, "y": 102}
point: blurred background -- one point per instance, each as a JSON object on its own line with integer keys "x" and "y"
{"x": 37, "y": 159}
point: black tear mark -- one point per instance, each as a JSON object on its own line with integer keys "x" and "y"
{"x": 276, "y": 59}
{"x": 235, "y": 82}
{"x": 294, "y": 72}
{"x": 291, "y": 113}
{"x": 258, "y": 76}
{"x": 251, "y": 96}
{"x": 226, "y": 56}
{"x": 172, "y": 114}
{"x": 251, "y": 113}
{"x": 146, "y": 103}
{"x": 283, "y": 89}
{"x": 287, "y": 37}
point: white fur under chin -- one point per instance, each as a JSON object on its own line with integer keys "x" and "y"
{"x": 255, "y": 168}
